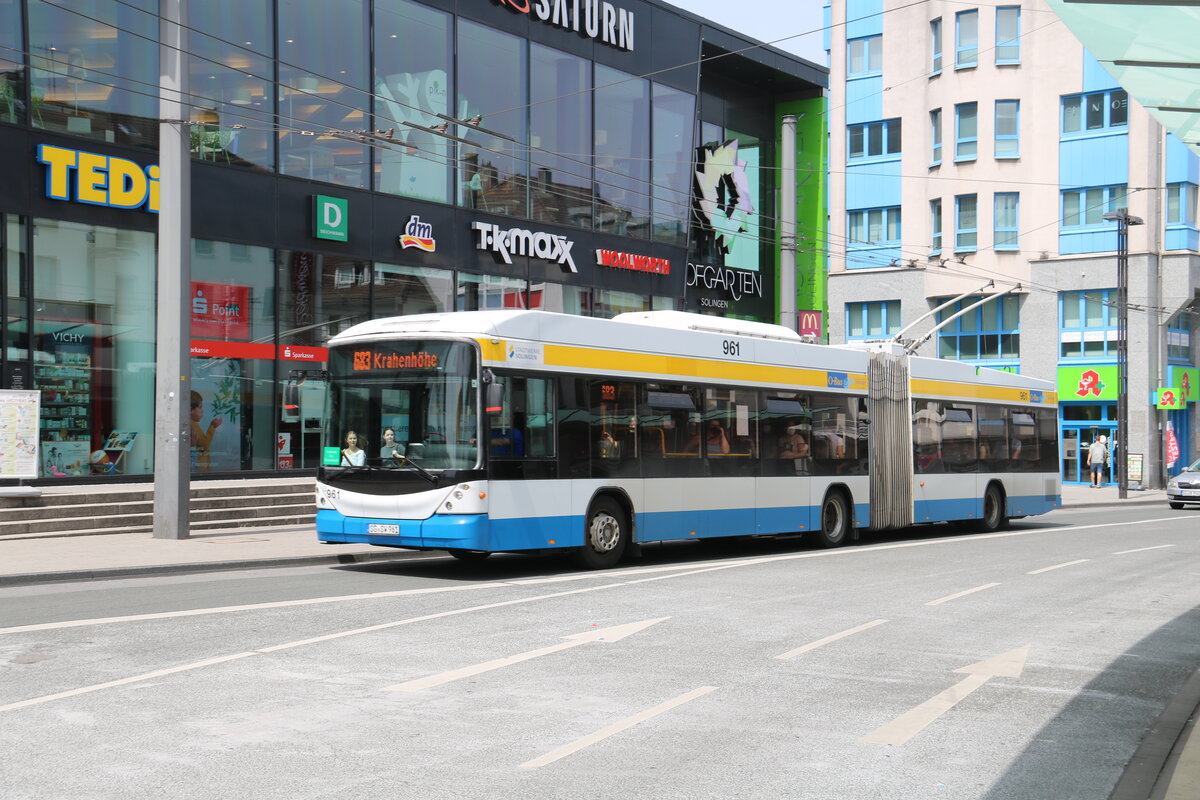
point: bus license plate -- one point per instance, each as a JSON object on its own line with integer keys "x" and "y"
{"x": 382, "y": 529}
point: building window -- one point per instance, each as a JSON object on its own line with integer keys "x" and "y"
{"x": 622, "y": 146}
{"x": 1083, "y": 113}
{"x": 966, "y": 131}
{"x": 1179, "y": 339}
{"x": 864, "y": 56}
{"x": 873, "y": 226}
{"x": 966, "y": 223}
{"x": 1089, "y": 324}
{"x": 1084, "y": 207}
{"x": 966, "y": 39}
{"x": 560, "y": 121}
{"x": 935, "y": 221}
{"x": 989, "y": 333}
{"x": 1007, "y": 128}
{"x": 874, "y": 139}
{"x": 1005, "y": 221}
{"x": 1181, "y": 204}
{"x": 872, "y": 320}
{"x": 935, "y": 38}
{"x": 935, "y": 125}
{"x": 1008, "y": 34}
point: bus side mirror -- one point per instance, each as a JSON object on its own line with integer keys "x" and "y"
{"x": 495, "y": 398}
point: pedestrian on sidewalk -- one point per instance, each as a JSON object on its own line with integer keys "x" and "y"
{"x": 1097, "y": 455}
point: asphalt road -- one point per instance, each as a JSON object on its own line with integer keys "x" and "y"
{"x": 1026, "y": 664}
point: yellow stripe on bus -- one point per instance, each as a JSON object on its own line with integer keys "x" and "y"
{"x": 682, "y": 367}
{"x": 977, "y": 391}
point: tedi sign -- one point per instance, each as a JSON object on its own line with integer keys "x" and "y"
{"x": 506, "y": 243}
{"x": 596, "y": 19}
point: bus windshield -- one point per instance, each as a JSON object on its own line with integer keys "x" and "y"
{"x": 402, "y": 404}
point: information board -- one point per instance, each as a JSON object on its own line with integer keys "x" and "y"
{"x": 20, "y": 413}
{"x": 1133, "y": 468}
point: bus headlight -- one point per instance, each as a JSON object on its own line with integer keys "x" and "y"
{"x": 465, "y": 498}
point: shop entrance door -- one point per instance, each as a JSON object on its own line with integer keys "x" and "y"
{"x": 1076, "y": 441}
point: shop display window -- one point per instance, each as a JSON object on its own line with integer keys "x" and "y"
{"x": 94, "y": 347}
{"x": 413, "y": 83}
{"x": 323, "y": 78}
{"x": 622, "y": 153}
{"x": 561, "y": 188}
{"x": 411, "y": 290}
{"x": 94, "y": 75}
{"x": 492, "y": 79}
{"x": 230, "y": 49}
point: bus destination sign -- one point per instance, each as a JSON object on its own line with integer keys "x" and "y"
{"x": 373, "y": 359}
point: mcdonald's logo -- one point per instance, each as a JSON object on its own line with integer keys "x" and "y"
{"x": 810, "y": 322}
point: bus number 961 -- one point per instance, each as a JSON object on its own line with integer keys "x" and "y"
{"x": 731, "y": 347}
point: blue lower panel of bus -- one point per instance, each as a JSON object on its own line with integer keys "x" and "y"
{"x": 450, "y": 531}
{"x": 653, "y": 526}
{"x": 972, "y": 507}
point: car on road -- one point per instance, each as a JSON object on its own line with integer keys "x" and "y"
{"x": 1185, "y": 487}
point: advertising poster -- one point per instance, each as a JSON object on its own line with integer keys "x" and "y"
{"x": 66, "y": 459}
{"x": 220, "y": 311}
{"x": 216, "y": 415}
{"x": 20, "y": 411}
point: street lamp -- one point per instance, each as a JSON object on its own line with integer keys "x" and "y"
{"x": 1123, "y": 219}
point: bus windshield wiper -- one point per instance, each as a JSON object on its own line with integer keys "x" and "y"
{"x": 405, "y": 461}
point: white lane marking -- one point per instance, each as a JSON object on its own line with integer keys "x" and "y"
{"x": 79, "y": 623}
{"x": 822, "y": 642}
{"x": 677, "y": 570}
{"x": 124, "y": 681}
{"x": 608, "y": 635}
{"x": 615, "y": 728}
{"x": 913, "y": 721}
{"x": 950, "y": 597}
{"x": 1058, "y": 566}
{"x": 1142, "y": 549}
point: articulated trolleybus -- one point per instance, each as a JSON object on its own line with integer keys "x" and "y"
{"x": 517, "y": 431}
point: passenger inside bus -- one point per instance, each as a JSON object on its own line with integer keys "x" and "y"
{"x": 509, "y": 441}
{"x": 391, "y": 452}
{"x": 716, "y": 441}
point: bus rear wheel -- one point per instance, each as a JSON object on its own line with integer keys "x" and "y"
{"x": 993, "y": 518}
{"x": 835, "y": 520}
{"x": 605, "y": 535}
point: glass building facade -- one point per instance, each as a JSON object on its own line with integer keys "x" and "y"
{"x": 350, "y": 160}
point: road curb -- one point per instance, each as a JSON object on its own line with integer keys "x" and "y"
{"x": 114, "y": 573}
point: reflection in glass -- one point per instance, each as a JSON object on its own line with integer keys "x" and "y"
{"x": 413, "y": 84}
{"x": 229, "y": 64}
{"x": 320, "y": 296}
{"x": 93, "y": 342}
{"x": 483, "y": 292}
{"x": 609, "y": 303}
{"x": 233, "y": 300}
{"x": 14, "y": 266}
{"x": 560, "y": 137}
{"x": 12, "y": 74}
{"x": 622, "y": 153}
{"x": 491, "y": 81}
{"x": 96, "y": 75}
{"x": 322, "y": 75}
{"x": 561, "y": 297}
{"x": 411, "y": 290}
{"x": 674, "y": 116}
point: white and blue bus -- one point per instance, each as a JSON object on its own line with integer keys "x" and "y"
{"x": 517, "y": 431}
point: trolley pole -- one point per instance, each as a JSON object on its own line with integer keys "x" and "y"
{"x": 1123, "y": 219}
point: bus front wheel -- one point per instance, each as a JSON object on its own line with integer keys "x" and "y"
{"x": 835, "y": 520}
{"x": 605, "y": 536}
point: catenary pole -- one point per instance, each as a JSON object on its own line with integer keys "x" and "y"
{"x": 172, "y": 430}
{"x": 787, "y": 225}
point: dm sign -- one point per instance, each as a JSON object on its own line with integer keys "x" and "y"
{"x": 1087, "y": 383}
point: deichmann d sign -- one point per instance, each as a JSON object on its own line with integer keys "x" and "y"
{"x": 596, "y": 19}
{"x": 331, "y": 218}
{"x": 504, "y": 244}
